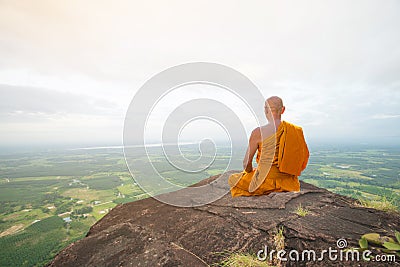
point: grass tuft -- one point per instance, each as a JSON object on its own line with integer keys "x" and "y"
{"x": 242, "y": 260}
{"x": 279, "y": 243}
{"x": 383, "y": 203}
{"x": 302, "y": 211}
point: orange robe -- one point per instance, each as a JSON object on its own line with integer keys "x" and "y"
{"x": 281, "y": 158}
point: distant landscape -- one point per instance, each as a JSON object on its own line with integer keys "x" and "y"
{"x": 50, "y": 199}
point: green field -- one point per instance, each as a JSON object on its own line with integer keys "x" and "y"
{"x": 48, "y": 200}
{"x": 366, "y": 173}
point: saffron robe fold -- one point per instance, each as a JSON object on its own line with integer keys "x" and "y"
{"x": 281, "y": 157}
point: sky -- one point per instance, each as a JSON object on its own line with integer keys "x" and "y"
{"x": 69, "y": 69}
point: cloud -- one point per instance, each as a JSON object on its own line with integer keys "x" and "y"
{"x": 335, "y": 63}
{"x": 30, "y": 100}
{"x": 330, "y": 41}
{"x": 30, "y": 115}
{"x": 385, "y": 116}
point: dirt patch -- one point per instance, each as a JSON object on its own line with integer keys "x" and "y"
{"x": 12, "y": 230}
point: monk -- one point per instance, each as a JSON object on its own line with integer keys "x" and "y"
{"x": 282, "y": 155}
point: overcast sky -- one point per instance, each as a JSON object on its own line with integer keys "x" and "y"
{"x": 69, "y": 69}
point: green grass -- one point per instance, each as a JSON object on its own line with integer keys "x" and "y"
{"x": 301, "y": 211}
{"x": 279, "y": 239}
{"x": 243, "y": 260}
{"x": 99, "y": 209}
{"x": 382, "y": 203}
{"x": 336, "y": 172}
{"x": 279, "y": 243}
{"x": 89, "y": 194}
{"x": 26, "y": 217}
{"x": 129, "y": 189}
{"x": 37, "y": 244}
{"x": 239, "y": 259}
{"x": 102, "y": 182}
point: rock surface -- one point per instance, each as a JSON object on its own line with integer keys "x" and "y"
{"x": 150, "y": 233}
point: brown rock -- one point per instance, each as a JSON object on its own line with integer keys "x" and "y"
{"x": 151, "y": 233}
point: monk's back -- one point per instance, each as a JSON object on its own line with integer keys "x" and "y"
{"x": 267, "y": 130}
{"x": 268, "y": 147}
{"x": 272, "y": 178}
{"x": 282, "y": 155}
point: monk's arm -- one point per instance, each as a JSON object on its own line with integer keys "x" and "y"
{"x": 251, "y": 150}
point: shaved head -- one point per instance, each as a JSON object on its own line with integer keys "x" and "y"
{"x": 274, "y": 108}
{"x": 274, "y": 102}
